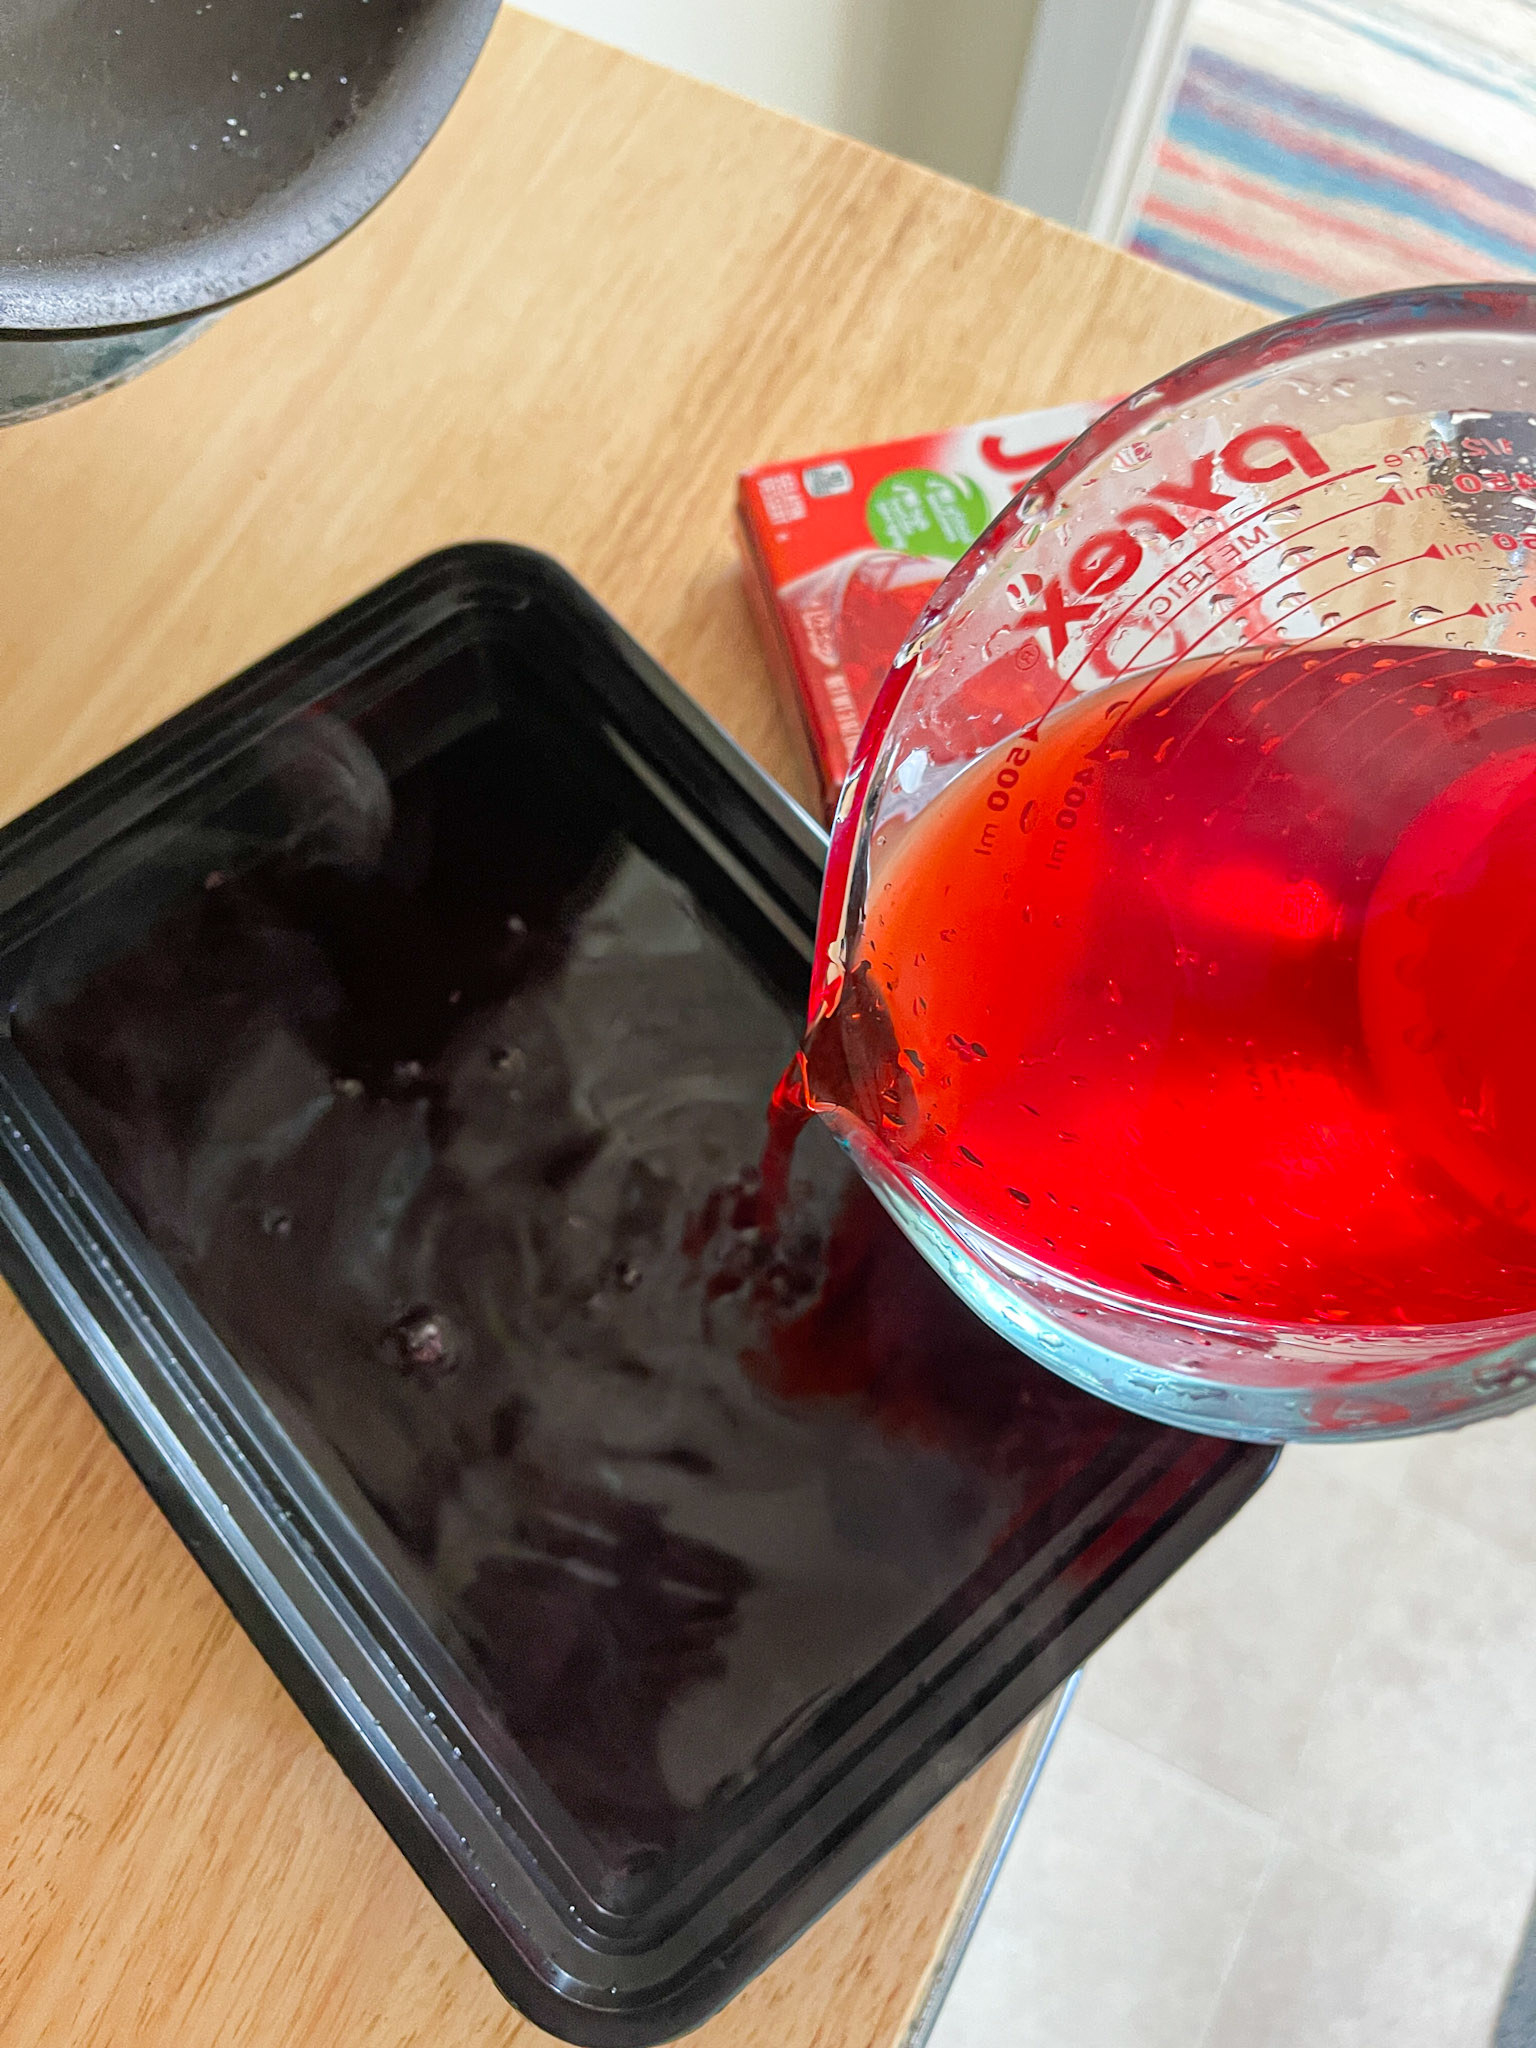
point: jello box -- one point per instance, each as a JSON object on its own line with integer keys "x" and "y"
{"x": 842, "y": 551}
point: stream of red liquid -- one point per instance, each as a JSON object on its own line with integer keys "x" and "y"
{"x": 1221, "y": 993}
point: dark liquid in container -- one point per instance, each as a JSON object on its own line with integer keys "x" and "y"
{"x": 449, "y": 1118}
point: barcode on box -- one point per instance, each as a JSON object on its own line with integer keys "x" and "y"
{"x": 827, "y": 479}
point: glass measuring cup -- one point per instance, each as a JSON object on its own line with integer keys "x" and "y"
{"x": 1178, "y": 944}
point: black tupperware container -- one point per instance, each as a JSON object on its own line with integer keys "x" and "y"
{"x": 390, "y": 1036}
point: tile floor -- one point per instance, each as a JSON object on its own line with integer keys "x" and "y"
{"x": 1294, "y": 1803}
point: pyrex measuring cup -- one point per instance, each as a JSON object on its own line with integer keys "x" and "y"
{"x": 1177, "y": 973}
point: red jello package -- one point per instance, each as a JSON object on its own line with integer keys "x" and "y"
{"x": 842, "y": 551}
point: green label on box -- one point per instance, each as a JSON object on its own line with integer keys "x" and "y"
{"x": 924, "y": 512}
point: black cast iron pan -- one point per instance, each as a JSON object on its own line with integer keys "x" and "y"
{"x": 160, "y": 157}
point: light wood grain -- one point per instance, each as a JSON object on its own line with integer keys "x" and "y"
{"x": 602, "y": 292}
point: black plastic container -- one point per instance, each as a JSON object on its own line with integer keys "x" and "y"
{"x": 390, "y": 1040}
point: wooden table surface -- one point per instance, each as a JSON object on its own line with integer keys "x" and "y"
{"x": 602, "y": 292}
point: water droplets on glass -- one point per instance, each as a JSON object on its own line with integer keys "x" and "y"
{"x": 1362, "y": 558}
{"x": 1423, "y": 613}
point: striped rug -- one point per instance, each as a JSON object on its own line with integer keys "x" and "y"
{"x": 1316, "y": 149}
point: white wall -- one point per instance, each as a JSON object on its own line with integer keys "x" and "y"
{"x": 789, "y": 54}
{"x": 1096, "y": 88}
{"x": 934, "y": 80}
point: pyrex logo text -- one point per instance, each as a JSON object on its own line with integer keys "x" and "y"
{"x": 1107, "y": 560}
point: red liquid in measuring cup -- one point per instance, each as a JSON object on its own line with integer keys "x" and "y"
{"x": 1223, "y": 993}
